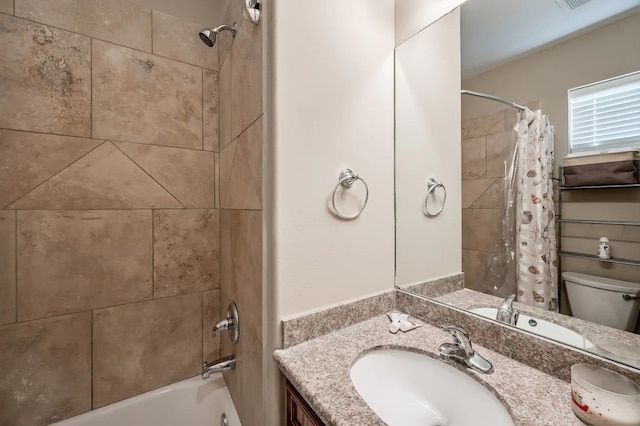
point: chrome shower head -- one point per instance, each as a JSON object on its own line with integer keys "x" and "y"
{"x": 209, "y": 36}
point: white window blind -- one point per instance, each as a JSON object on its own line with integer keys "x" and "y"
{"x": 605, "y": 116}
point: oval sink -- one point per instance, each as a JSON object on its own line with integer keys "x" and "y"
{"x": 542, "y": 328}
{"x": 406, "y": 389}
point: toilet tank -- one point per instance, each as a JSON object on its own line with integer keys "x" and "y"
{"x": 599, "y": 300}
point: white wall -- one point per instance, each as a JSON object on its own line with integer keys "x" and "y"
{"x": 332, "y": 109}
{"x": 411, "y": 16}
{"x": 428, "y": 145}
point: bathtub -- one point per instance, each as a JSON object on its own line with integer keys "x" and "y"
{"x": 191, "y": 402}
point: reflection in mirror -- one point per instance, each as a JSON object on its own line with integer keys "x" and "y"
{"x": 528, "y": 53}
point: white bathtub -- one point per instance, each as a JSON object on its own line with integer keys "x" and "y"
{"x": 191, "y": 402}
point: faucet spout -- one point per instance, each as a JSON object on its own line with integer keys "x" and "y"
{"x": 506, "y": 312}
{"x": 227, "y": 363}
{"x": 462, "y": 351}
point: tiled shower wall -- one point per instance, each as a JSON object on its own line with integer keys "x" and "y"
{"x": 241, "y": 146}
{"x": 487, "y": 141}
{"x": 109, "y": 225}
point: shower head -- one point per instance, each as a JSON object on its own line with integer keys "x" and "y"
{"x": 208, "y": 35}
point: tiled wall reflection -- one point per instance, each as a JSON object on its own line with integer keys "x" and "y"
{"x": 110, "y": 234}
{"x": 487, "y": 141}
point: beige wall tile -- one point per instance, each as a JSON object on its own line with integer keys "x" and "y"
{"x": 217, "y": 180}
{"x": 224, "y": 86}
{"x": 472, "y": 264}
{"x": 186, "y": 251}
{"x": 121, "y": 22}
{"x": 499, "y": 147}
{"x": 234, "y": 13}
{"x": 252, "y": 412}
{"x": 242, "y": 264}
{"x": 187, "y": 174}
{"x": 473, "y": 158}
{"x": 28, "y": 159}
{"x": 227, "y": 259}
{"x": 6, "y": 6}
{"x": 71, "y": 261}
{"x": 103, "y": 179}
{"x": 46, "y": 370}
{"x": 165, "y": 346}
{"x": 251, "y": 142}
{"x": 178, "y": 39}
{"x": 46, "y": 73}
{"x": 232, "y": 378}
{"x": 479, "y": 229}
{"x": 7, "y": 267}
{"x": 483, "y": 125}
{"x": 472, "y": 189}
{"x": 237, "y": 189}
{"x": 155, "y": 100}
{"x": 210, "y": 316}
{"x": 210, "y": 114}
{"x": 492, "y": 198}
{"x": 246, "y": 77}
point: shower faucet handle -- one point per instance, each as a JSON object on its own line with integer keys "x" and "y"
{"x": 231, "y": 323}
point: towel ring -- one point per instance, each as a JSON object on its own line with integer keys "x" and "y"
{"x": 346, "y": 179}
{"x": 432, "y": 185}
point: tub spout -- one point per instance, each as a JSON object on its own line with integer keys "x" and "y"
{"x": 223, "y": 364}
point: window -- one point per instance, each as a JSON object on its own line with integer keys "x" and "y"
{"x": 605, "y": 116}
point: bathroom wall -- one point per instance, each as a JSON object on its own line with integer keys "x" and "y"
{"x": 602, "y": 53}
{"x": 241, "y": 201}
{"x": 330, "y": 106}
{"x": 427, "y": 74}
{"x": 109, "y": 228}
{"x": 206, "y": 13}
{"x": 411, "y": 16}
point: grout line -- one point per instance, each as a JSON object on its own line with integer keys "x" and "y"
{"x": 92, "y": 365}
{"x": 147, "y": 173}
{"x": 153, "y": 254}
{"x": 56, "y": 174}
{"x": 91, "y": 86}
{"x": 202, "y": 331}
{"x": 15, "y": 249}
{"x": 202, "y": 111}
{"x": 151, "y": 17}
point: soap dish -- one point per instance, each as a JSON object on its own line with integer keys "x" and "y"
{"x": 603, "y": 397}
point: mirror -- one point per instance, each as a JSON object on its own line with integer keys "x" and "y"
{"x": 529, "y": 53}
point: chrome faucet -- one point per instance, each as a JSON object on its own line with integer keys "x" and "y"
{"x": 227, "y": 363}
{"x": 462, "y": 350}
{"x": 231, "y": 323}
{"x": 506, "y": 312}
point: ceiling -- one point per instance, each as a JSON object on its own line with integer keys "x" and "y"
{"x": 495, "y": 32}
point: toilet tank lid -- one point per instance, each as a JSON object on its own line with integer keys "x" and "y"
{"x": 602, "y": 282}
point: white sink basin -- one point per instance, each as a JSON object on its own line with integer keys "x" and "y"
{"x": 542, "y": 328}
{"x": 406, "y": 389}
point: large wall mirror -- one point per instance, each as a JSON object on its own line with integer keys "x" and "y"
{"x": 529, "y": 54}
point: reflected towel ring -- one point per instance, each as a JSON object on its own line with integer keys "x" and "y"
{"x": 346, "y": 179}
{"x": 432, "y": 185}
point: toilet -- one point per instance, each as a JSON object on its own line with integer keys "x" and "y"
{"x": 599, "y": 300}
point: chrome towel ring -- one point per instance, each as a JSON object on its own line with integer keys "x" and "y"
{"x": 346, "y": 179}
{"x": 432, "y": 185}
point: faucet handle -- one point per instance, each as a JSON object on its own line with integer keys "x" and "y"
{"x": 461, "y": 337}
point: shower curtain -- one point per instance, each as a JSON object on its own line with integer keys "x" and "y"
{"x": 535, "y": 227}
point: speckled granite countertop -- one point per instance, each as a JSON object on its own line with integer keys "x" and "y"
{"x": 319, "y": 369}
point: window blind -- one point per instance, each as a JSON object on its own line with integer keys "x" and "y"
{"x": 605, "y": 116}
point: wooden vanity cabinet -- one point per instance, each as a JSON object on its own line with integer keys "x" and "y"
{"x": 298, "y": 411}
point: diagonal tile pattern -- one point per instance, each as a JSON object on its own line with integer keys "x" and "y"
{"x": 237, "y": 190}
{"x": 187, "y": 174}
{"x": 103, "y": 179}
{"x": 28, "y": 159}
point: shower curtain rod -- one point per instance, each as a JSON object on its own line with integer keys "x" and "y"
{"x": 493, "y": 98}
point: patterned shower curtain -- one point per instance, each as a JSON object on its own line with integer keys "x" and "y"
{"x": 536, "y": 250}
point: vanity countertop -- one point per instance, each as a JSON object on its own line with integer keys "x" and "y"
{"x": 320, "y": 371}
